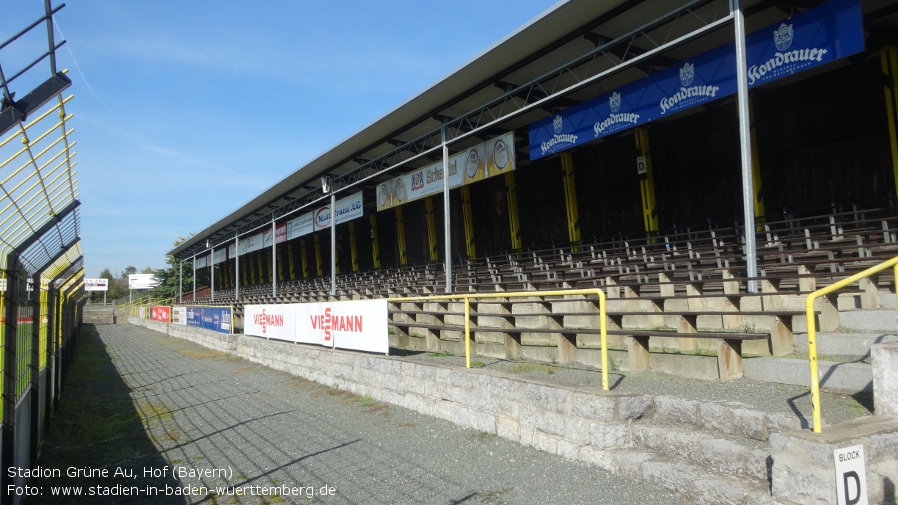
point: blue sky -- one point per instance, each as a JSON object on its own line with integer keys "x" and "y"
{"x": 186, "y": 110}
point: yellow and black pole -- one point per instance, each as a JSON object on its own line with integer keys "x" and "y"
{"x": 646, "y": 180}
{"x": 570, "y": 200}
{"x": 888, "y": 56}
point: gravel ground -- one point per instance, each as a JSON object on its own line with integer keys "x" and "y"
{"x": 147, "y": 406}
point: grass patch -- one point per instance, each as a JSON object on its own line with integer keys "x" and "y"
{"x": 201, "y": 353}
{"x": 531, "y": 368}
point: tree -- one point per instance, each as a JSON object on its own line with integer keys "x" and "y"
{"x": 168, "y": 278}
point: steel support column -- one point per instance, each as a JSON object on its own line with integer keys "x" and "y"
{"x": 748, "y": 195}
{"x": 273, "y": 271}
{"x": 237, "y": 268}
{"x": 447, "y": 228}
{"x": 334, "y": 267}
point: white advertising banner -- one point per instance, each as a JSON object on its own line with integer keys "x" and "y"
{"x": 179, "y": 315}
{"x": 94, "y": 284}
{"x": 266, "y": 238}
{"x": 280, "y": 233}
{"x": 271, "y": 321}
{"x": 142, "y": 281}
{"x": 300, "y": 226}
{"x": 359, "y": 325}
{"x": 219, "y": 255}
{"x": 349, "y": 208}
{"x": 254, "y": 243}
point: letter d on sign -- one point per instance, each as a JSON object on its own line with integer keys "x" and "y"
{"x": 851, "y": 476}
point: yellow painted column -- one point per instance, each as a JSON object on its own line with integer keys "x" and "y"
{"x": 755, "y": 166}
{"x": 291, "y": 262}
{"x": 318, "y": 260}
{"x": 353, "y": 250}
{"x": 647, "y": 180}
{"x": 400, "y": 236}
{"x": 253, "y": 268}
{"x": 431, "y": 228}
{"x": 375, "y": 242}
{"x": 468, "y": 217}
{"x": 570, "y": 200}
{"x": 281, "y": 264}
{"x": 304, "y": 257}
{"x": 889, "y": 59}
{"x": 511, "y": 203}
{"x": 262, "y": 266}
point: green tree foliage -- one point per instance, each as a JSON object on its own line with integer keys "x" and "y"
{"x": 169, "y": 276}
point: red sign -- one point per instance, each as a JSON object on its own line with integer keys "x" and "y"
{"x": 161, "y": 314}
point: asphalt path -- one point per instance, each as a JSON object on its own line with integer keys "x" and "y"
{"x": 215, "y": 429}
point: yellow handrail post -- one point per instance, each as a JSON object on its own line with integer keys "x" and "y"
{"x": 603, "y": 331}
{"x": 603, "y": 334}
{"x": 467, "y": 332}
{"x": 812, "y": 330}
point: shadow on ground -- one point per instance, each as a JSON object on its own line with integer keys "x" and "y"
{"x": 96, "y": 444}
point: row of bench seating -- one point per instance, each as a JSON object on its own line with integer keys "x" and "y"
{"x": 690, "y": 284}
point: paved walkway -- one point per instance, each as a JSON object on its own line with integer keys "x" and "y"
{"x": 144, "y": 416}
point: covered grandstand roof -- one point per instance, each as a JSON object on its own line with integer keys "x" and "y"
{"x": 573, "y": 51}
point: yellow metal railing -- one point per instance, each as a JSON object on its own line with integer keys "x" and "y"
{"x": 812, "y": 329}
{"x": 466, "y": 298}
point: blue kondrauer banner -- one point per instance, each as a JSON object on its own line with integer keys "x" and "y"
{"x": 815, "y": 37}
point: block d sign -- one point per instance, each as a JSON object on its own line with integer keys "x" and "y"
{"x": 851, "y": 476}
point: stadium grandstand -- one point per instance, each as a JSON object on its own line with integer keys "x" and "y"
{"x": 608, "y": 145}
{"x": 41, "y": 266}
{"x": 717, "y": 178}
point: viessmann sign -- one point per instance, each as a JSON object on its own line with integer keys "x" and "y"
{"x": 359, "y": 325}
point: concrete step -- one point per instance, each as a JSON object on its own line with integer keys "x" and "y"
{"x": 869, "y": 320}
{"x": 732, "y": 455}
{"x": 689, "y": 481}
{"x": 855, "y": 344}
{"x": 724, "y": 418}
{"x": 848, "y": 378}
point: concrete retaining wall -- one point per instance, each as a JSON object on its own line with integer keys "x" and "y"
{"x": 574, "y": 423}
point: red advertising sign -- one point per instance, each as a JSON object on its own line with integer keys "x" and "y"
{"x": 161, "y": 314}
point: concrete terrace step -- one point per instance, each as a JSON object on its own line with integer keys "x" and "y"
{"x": 735, "y": 456}
{"x": 844, "y": 344}
{"x": 688, "y": 480}
{"x": 849, "y": 378}
{"x": 869, "y": 320}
